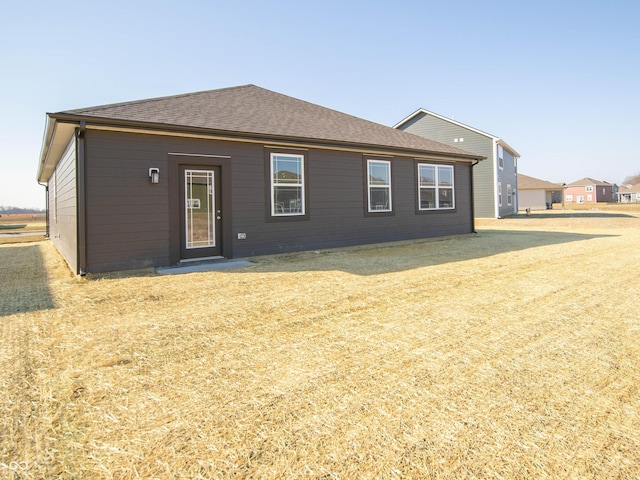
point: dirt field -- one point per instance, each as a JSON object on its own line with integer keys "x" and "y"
{"x": 510, "y": 353}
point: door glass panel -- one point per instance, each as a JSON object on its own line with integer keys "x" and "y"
{"x": 199, "y": 209}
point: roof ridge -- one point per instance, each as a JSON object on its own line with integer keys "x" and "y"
{"x": 590, "y": 181}
{"x": 153, "y": 99}
{"x": 355, "y": 117}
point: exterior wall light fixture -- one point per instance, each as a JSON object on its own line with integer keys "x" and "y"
{"x": 154, "y": 175}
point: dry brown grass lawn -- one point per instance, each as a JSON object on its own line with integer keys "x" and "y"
{"x": 512, "y": 353}
{"x": 23, "y": 224}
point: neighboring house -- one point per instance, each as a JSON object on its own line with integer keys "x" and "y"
{"x": 495, "y": 181}
{"x": 629, "y": 193}
{"x": 239, "y": 172}
{"x": 535, "y": 194}
{"x": 588, "y": 190}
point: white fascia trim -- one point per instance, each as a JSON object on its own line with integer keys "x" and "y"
{"x": 55, "y": 142}
{"x": 506, "y": 146}
{"x": 441, "y": 117}
{"x": 417, "y": 112}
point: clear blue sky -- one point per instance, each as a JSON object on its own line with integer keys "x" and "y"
{"x": 558, "y": 80}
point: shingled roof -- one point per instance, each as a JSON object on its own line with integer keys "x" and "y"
{"x": 255, "y": 111}
{"x": 588, "y": 181}
{"x": 526, "y": 182}
{"x": 629, "y": 188}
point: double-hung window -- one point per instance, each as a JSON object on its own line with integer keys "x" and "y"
{"x": 509, "y": 195}
{"x": 435, "y": 187}
{"x": 379, "y": 185}
{"x": 500, "y": 157}
{"x": 499, "y": 194}
{"x": 287, "y": 185}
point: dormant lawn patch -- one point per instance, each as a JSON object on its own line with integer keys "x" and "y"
{"x": 512, "y": 353}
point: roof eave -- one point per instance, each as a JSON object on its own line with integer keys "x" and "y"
{"x": 57, "y": 135}
{"x": 68, "y": 118}
{"x": 507, "y": 147}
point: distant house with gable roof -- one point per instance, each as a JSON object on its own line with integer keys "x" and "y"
{"x": 535, "y": 194}
{"x": 629, "y": 193}
{"x": 588, "y": 190}
{"x": 495, "y": 180}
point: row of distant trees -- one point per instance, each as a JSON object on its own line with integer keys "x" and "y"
{"x": 14, "y": 210}
{"x": 632, "y": 179}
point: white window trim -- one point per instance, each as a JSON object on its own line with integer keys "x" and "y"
{"x": 300, "y": 184}
{"x": 569, "y": 198}
{"x": 509, "y": 195}
{"x": 500, "y": 157}
{"x": 369, "y": 186}
{"x": 437, "y": 188}
{"x": 499, "y": 194}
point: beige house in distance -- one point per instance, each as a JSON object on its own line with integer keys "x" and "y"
{"x": 629, "y": 193}
{"x": 534, "y": 193}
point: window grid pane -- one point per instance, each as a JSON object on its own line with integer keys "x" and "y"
{"x": 379, "y": 185}
{"x": 435, "y": 187}
{"x": 287, "y": 185}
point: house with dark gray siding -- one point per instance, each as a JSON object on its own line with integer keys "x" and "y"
{"x": 495, "y": 180}
{"x": 239, "y": 172}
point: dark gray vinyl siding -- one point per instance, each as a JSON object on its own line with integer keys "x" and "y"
{"x": 128, "y": 218}
{"x": 63, "y": 211}
{"x": 445, "y": 132}
{"x": 337, "y": 209}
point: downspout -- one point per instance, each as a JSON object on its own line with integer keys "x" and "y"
{"x": 516, "y": 205}
{"x": 46, "y": 208}
{"x": 81, "y": 195}
{"x": 473, "y": 208}
{"x": 494, "y": 160}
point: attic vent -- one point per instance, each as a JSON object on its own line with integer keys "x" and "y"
{"x": 456, "y": 140}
